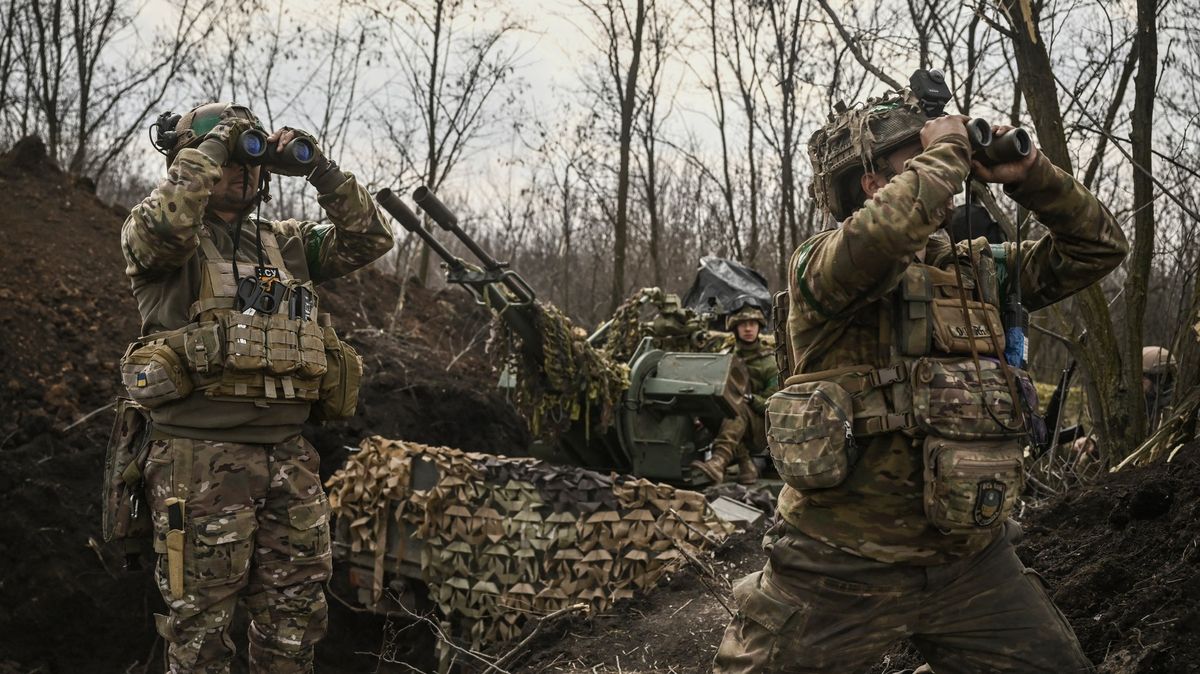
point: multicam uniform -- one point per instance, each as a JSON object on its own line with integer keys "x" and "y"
{"x": 228, "y": 410}
{"x": 745, "y": 433}
{"x": 894, "y": 521}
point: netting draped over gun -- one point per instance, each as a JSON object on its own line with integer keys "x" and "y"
{"x": 559, "y": 376}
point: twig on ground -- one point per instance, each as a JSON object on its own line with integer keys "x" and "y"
{"x": 703, "y": 571}
{"x": 443, "y": 638}
{"x": 91, "y": 543}
{"x": 89, "y": 415}
{"x": 468, "y": 347}
{"x": 711, "y": 541}
{"x": 551, "y": 617}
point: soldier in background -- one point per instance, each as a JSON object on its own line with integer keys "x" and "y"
{"x": 233, "y": 361}
{"x": 894, "y": 519}
{"x": 1158, "y": 384}
{"x": 744, "y": 434}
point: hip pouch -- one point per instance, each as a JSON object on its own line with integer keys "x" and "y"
{"x": 153, "y": 374}
{"x": 340, "y": 383}
{"x": 973, "y": 485}
{"x": 810, "y": 433}
{"x": 124, "y": 512}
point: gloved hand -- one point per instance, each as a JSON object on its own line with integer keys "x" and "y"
{"x": 286, "y": 135}
{"x": 227, "y": 131}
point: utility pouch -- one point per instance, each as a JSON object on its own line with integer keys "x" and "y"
{"x": 154, "y": 375}
{"x": 951, "y": 400}
{"x": 313, "y": 361}
{"x": 810, "y": 432}
{"x": 202, "y": 348}
{"x": 951, "y": 334}
{"x": 971, "y": 485}
{"x": 339, "y": 385}
{"x": 245, "y": 341}
{"x": 124, "y": 512}
{"x": 283, "y": 344}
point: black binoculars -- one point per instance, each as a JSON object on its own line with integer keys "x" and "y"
{"x": 929, "y": 87}
{"x": 989, "y": 149}
{"x": 253, "y": 148}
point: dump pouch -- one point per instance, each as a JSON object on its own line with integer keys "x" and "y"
{"x": 153, "y": 374}
{"x": 951, "y": 400}
{"x": 339, "y": 385}
{"x": 124, "y": 512}
{"x": 971, "y": 485}
{"x": 810, "y": 432}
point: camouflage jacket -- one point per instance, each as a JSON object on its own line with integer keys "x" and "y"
{"x": 759, "y": 359}
{"x": 840, "y": 277}
{"x": 160, "y": 241}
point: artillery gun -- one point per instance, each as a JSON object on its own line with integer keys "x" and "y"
{"x": 660, "y": 419}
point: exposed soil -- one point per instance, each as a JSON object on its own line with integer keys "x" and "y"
{"x": 1121, "y": 556}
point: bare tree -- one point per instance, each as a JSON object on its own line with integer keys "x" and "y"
{"x": 621, "y": 43}
{"x": 450, "y": 73}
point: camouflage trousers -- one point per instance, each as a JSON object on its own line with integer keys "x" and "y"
{"x": 740, "y": 435}
{"x": 256, "y": 530}
{"x": 814, "y": 609}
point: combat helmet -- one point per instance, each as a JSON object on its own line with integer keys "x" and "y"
{"x": 747, "y": 313}
{"x": 190, "y": 128}
{"x": 1157, "y": 360}
{"x": 852, "y": 143}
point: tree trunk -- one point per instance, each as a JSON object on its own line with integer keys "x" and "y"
{"x": 628, "y": 107}
{"x": 1142, "y": 137}
{"x": 1109, "y": 397}
{"x": 432, "y": 160}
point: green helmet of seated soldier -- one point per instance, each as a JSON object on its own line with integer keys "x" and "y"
{"x": 746, "y": 314}
{"x": 856, "y": 141}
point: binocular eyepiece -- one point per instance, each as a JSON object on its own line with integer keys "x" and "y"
{"x": 253, "y": 148}
{"x": 989, "y": 149}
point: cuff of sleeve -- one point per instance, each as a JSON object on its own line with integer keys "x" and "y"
{"x": 214, "y": 150}
{"x": 1042, "y": 176}
{"x": 327, "y": 177}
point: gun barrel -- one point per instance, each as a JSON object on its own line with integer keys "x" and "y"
{"x": 428, "y": 202}
{"x": 399, "y": 210}
{"x": 396, "y": 207}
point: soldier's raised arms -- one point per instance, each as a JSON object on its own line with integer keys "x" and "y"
{"x": 858, "y": 262}
{"x": 1084, "y": 243}
{"x": 162, "y": 231}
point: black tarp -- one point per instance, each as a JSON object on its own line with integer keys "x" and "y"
{"x": 722, "y": 286}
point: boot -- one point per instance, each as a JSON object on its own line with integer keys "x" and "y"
{"x": 714, "y": 468}
{"x": 747, "y": 470}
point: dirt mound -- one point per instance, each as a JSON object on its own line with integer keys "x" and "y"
{"x": 674, "y": 629}
{"x": 1122, "y": 558}
{"x": 66, "y": 315}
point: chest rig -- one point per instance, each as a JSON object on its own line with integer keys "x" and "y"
{"x": 281, "y": 355}
{"x": 939, "y": 379}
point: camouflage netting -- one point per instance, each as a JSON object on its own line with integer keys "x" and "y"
{"x": 650, "y": 312}
{"x": 498, "y": 539}
{"x": 573, "y": 378}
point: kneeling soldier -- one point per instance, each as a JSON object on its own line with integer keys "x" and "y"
{"x": 236, "y": 356}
